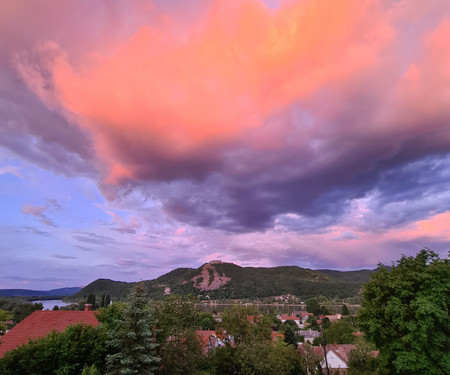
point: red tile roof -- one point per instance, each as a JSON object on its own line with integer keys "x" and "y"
{"x": 41, "y": 323}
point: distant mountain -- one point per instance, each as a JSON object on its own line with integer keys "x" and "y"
{"x": 361, "y": 276}
{"x": 38, "y": 293}
{"x": 219, "y": 280}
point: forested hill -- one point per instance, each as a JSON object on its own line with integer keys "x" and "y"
{"x": 228, "y": 281}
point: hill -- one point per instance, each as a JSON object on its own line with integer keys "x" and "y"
{"x": 61, "y": 292}
{"x": 361, "y": 276}
{"x": 218, "y": 280}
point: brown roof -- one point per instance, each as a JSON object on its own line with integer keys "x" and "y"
{"x": 341, "y": 350}
{"x": 41, "y": 323}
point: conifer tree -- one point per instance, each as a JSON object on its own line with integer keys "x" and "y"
{"x": 133, "y": 342}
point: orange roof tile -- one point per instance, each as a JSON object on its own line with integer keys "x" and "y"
{"x": 40, "y": 324}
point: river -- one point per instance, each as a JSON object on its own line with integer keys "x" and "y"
{"x": 51, "y": 303}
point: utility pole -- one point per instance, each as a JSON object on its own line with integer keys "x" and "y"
{"x": 324, "y": 350}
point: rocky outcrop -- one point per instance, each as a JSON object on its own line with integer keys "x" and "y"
{"x": 209, "y": 278}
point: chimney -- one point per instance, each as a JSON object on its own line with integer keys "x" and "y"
{"x": 88, "y": 307}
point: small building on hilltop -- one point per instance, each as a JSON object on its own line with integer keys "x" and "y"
{"x": 40, "y": 324}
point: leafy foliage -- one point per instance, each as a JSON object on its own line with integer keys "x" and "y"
{"x": 66, "y": 353}
{"x": 18, "y": 308}
{"x": 345, "y": 311}
{"x": 404, "y": 313}
{"x": 361, "y": 360}
{"x": 175, "y": 314}
{"x": 339, "y": 332}
{"x": 290, "y": 329}
{"x": 4, "y": 316}
{"x": 181, "y": 354}
{"x": 246, "y": 324}
{"x": 259, "y": 358}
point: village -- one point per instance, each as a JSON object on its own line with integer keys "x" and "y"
{"x": 300, "y": 328}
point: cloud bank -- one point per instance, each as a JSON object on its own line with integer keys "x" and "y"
{"x": 315, "y": 120}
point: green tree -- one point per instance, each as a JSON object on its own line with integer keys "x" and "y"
{"x": 175, "y": 314}
{"x": 245, "y": 323}
{"x": 207, "y": 321}
{"x": 181, "y": 354}
{"x": 4, "y": 316}
{"x": 313, "y": 306}
{"x": 133, "y": 343}
{"x": 361, "y": 360}
{"x": 290, "y": 329}
{"x": 404, "y": 312}
{"x": 310, "y": 360}
{"x": 91, "y": 300}
{"x": 111, "y": 316}
{"x": 339, "y": 332}
{"x": 90, "y": 370}
{"x": 259, "y": 358}
{"x": 345, "y": 310}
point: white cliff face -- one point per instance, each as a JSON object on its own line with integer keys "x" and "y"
{"x": 210, "y": 279}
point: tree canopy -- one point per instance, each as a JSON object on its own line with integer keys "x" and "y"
{"x": 404, "y": 312}
{"x": 133, "y": 343}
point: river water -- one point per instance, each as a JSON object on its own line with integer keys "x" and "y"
{"x": 49, "y": 304}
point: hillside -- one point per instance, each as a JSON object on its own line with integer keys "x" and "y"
{"x": 228, "y": 281}
{"x": 361, "y": 276}
{"x": 61, "y": 292}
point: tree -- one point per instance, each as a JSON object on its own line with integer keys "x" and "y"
{"x": 404, "y": 312}
{"x": 259, "y": 358}
{"x": 4, "y": 316}
{"x": 339, "y": 332}
{"x": 313, "y": 306}
{"x": 290, "y": 329}
{"x": 175, "y": 314}
{"x": 91, "y": 300}
{"x": 361, "y": 360}
{"x": 133, "y": 341}
{"x": 245, "y": 323}
{"x": 181, "y": 354}
{"x": 345, "y": 310}
{"x": 310, "y": 359}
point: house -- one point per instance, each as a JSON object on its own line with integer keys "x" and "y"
{"x": 337, "y": 357}
{"x": 303, "y": 315}
{"x": 333, "y": 318}
{"x": 213, "y": 339}
{"x": 309, "y": 335}
{"x": 40, "y": 324}
{"x": 285, "y": 317}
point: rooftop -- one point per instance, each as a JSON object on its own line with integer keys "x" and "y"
{"x": 40, "y": 324}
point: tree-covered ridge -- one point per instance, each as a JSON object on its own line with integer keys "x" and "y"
{"x": 245, "y": 282}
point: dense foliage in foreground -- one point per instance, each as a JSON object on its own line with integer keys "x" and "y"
{"x": 404, "y": 313}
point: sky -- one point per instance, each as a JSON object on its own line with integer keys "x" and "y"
{"x": 139, "y": 136}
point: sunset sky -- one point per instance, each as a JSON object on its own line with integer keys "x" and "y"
{"x": 139, "y": 136}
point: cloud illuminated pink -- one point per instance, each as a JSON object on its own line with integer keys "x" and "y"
{"x": 158, "y": 96}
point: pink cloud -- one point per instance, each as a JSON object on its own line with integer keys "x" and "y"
{"x": 158, "y": 98}
{"x": 38, "y": 212}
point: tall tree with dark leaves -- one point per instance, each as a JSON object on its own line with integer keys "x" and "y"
{"x": 133, "y": 342}
{"x": 404, "y": 312}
